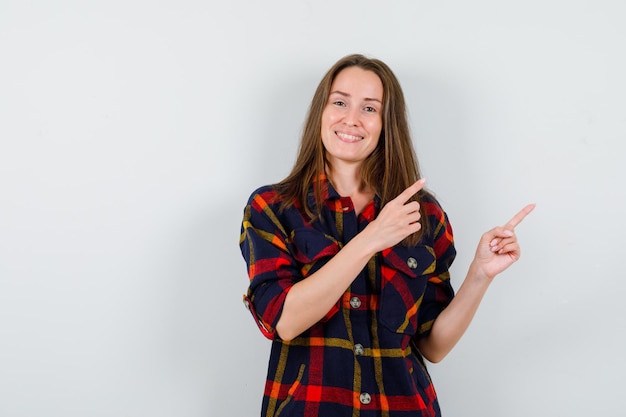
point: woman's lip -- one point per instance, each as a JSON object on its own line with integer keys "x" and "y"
{"x": 346, "y": 137}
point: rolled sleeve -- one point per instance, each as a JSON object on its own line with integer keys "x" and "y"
{"x": 271, "y": 268}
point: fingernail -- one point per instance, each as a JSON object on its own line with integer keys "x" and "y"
{"x": 508, "y": 233}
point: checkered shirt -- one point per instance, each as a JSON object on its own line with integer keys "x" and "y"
{"x": 361, "y": 358}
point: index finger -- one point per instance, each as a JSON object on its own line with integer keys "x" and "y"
{"x": 411, "y": 190}
{"x": 517, "y": 219}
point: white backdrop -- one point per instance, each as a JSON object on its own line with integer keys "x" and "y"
{"x": 132, "y": 133}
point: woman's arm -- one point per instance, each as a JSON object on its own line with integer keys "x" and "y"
{"x": 497, "y": 250}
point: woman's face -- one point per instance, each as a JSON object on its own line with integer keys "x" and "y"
{"x": 352, "y": 119}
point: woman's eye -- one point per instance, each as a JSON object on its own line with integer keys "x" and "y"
{"x": 370, "y": 109}
{"x": 339, "y": 103}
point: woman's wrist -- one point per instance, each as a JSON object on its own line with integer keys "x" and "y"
{"x": 477, "y": 273}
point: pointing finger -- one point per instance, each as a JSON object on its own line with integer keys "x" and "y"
{"x": 411, "y": 190}
{"x": 517, "y": 219}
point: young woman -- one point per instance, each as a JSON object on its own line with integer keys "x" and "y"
{"x": 348, "y": 260}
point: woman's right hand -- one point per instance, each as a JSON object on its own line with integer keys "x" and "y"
{"x": 397, "y": 220}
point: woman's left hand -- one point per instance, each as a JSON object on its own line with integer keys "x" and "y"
{"x": 498, "y": 248}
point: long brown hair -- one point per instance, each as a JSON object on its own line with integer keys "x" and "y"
{"x": 388, "y": 170}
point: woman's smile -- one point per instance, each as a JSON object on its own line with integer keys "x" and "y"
{"x": 346, "y": 137}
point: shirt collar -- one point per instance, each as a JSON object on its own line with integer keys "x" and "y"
{"x": 329, "y": 193}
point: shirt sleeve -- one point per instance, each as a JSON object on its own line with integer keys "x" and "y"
{"x": 439, "y": 291}
{"x": 271, "y": 268}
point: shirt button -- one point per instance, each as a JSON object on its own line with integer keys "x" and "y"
{"x": 355, "y": 302}
{"x": 411, "y": 262}
{"x": 365, "y": 398}
{"x": 358, "y": 349}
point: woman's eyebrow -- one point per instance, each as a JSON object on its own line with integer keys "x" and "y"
{"x": 341, "y": 93}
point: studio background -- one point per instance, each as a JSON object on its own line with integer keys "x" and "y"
{"x": 132, "y": 133}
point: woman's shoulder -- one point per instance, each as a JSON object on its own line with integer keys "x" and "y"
{"x": 430, "y": 203}
{"x": 433, "y": 209}
{"x": 266, "y": 192}
{"x": 266, "y": 195}
{"x": 267, "y": 205}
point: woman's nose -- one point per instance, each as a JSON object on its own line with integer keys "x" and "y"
{"x": 352, "y": 117}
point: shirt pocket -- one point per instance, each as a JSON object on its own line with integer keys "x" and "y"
{"x": 311, "y": 249}
{"x": 288, "y": 405}
{"x": 404, "y": 276}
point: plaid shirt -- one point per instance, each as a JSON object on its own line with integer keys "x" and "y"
{"x": 360, "y": 359}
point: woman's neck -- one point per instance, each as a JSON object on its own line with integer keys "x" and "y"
{"x": 348, "y": 183}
